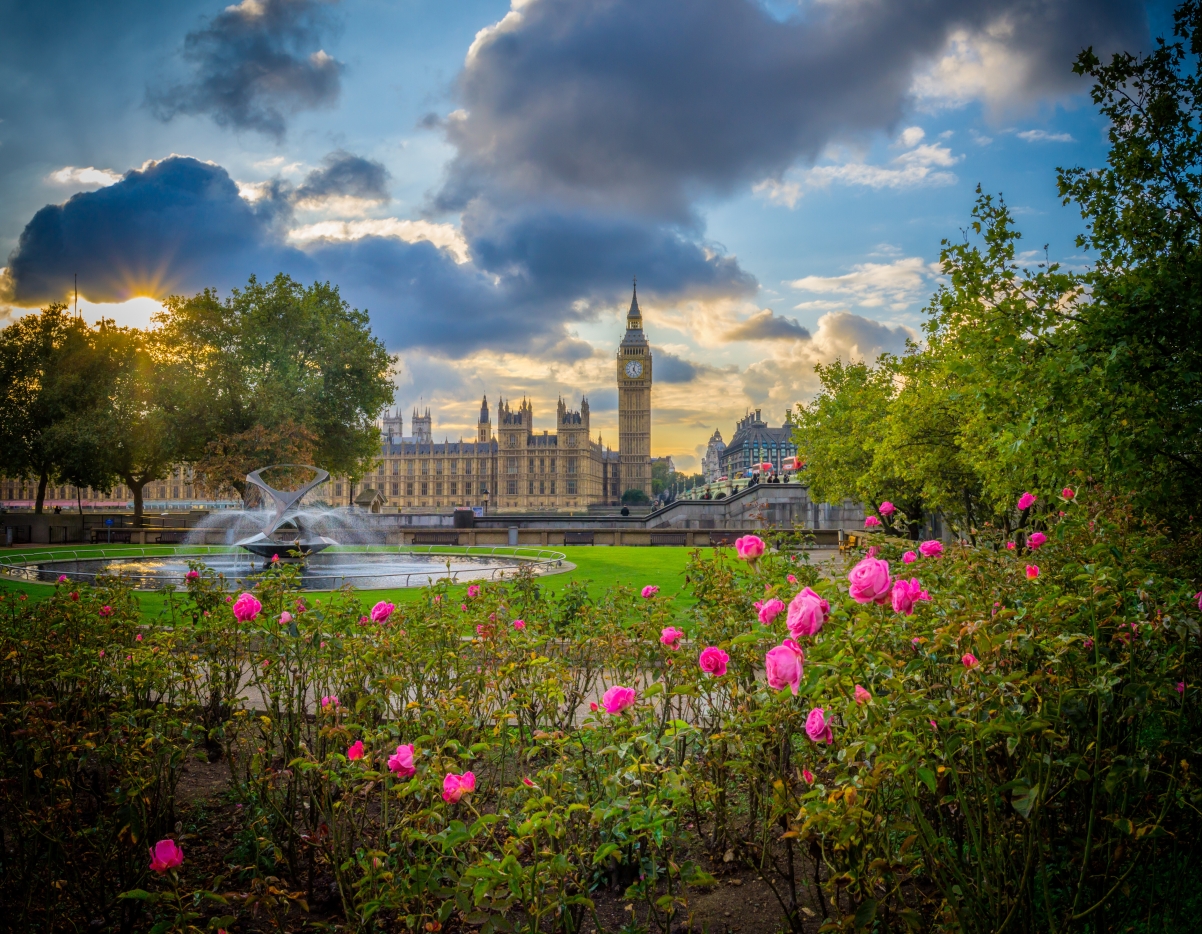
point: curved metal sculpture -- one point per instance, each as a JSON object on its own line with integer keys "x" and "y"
{"x": 265, "y": 544}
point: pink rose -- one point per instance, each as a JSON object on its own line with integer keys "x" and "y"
{"x": 330, "y": 700}
{"x": 784, "y": 665}
{"x": 354, "y": 751}
{"x": 808, "y": 776}
{"x": 275, "y": 559}
{"x": 906, "y": 594}
{"x": 401, "y": 761}
{"x": 473, "y": 590}
{"x": 1011, "y": 546}
{"x": 138, "y": 637}
{"x": 1027, "y": 500}
{"x": 1198, "y": 597}
{"x": 1035, "y": 539}
{"x": 650, "y": 591}
{"x": 870, "y": 581}
{"x": 862, "y": 696}
{"x": 871, "y": 522}
{"x": 909, "y": 557}
{"x": 1180, "y": 687}
{"x": 106, "y": 610}
{"x": 1032, "y": 571}
{"x": 807, "y": 613}
{"x": 1068, "y": 493}
{"x": 617, "y": 699}
{"x": 455, "y": 786}
{"x": 791, "y": 578}
{"x": 713, "y": 661}
{"x": 671, "y": 636}
{"x": 968, "y": 660}
{"x": 769, "y": 610}
{"x": 817, "y": 727}
{"x": 246, "y": 608}
{"x": 519, "y": 624}
{"x": 749, "y": 547}
{"x": 285, "y": 618}
{"x": 165, "y": 855}
{"x": 886, "y": 508}
{"x": 381, "y": 611}
{"x": 932, "y": 548}
{"x": 192, "y": 575}
{"x": 62, "y": 578}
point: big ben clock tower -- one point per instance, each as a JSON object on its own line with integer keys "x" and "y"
{"x": 634, "y": 403}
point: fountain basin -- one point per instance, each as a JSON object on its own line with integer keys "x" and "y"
{"x": 370, "y": 568}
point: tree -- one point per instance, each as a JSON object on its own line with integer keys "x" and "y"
{"x": 634, "y": 497}
{"x": 275, "y": 355}
{"x": 51, "y": 376}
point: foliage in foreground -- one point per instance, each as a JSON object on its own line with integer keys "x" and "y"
{"x": 1025, "y": 758}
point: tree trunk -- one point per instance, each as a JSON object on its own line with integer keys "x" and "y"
{"x": 42, "y": 481}
{"x": 79, "y": 503}
{"x": 135, "y": 487}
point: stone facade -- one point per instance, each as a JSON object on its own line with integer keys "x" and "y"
{"x": 754, "y": 442}
{"x": 711, "y": 463}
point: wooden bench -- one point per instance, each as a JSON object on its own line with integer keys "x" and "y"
{"x": 172, "y": 537}
{"x": 432, "y": 537}
{"x": 579, "y": 538}
{"x": 850, "y": 543}
{"x": 111, "y": 536}
{"x": 723, "y": 538}
{"x": 669, "y": 538}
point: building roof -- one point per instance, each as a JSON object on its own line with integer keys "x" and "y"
{"x": 752, "y": 429}
{"x": 439, "y": 448}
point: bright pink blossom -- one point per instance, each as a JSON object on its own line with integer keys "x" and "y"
{"x": 968, "y": 660}
{"x": 401, "y": 761}
{"x": 106, "y": 610}
{"x": 713, "y": 661}
{"x": 381, "y": 611}
{"x": 1198, "y": 597}
{"x": 650, "y": 591}
{"x": 1010, "y": 546}
{"x": 192, "y": 575}
{"x": 473, "y": 590}
{"x": 749, "y": 547}
{"x": 870, "y": 581}
{"x": 769, "y": 610}
{"x": 331, "y": 700}
{"x": 455, "y": 786}
{"x": 102, "y": 653}
{"x": 285, "y": 618}
{"x": 275, "y": 559}
{"x": 791, "y": 578}
{"x": 1180, "y": 687}
{"x": 165, "y": 855}
{"x": 62, "y": 578}
{"x": 617, "y": 699}
{"x": 519, "y": 624}
{"x": 807, "y": 613}
{"x": 886, "y": 508}
{"x": 932, "y": 548}
{"x": 1068, "y": 493}
{"x": 246, "y": 608}
{"x": 1035, "y": 539}
{"x": 784, "y": 665}
{"x": 1027, "y": 500}
{"x": 1032, "y": 571}
{"x": 817, "y": 727}
{"x": 354, "y": 751}
{"x": 862, "y": 695}
{"x": 871, "y": 522}
{"x": 528, "y": 783}
{"x": 909, "y": 557}
{"x": 138, "y": 637}
{"x": 906, "y": 594}
{"x": 671, "y": 636}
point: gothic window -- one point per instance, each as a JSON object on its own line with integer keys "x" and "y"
{"x": 425, "y": 488}
{"x": 438, "y": 468}
{"x": 454, "y": 489}
{"x": 175, "y": 492}
{"x": 425, "y": 468}
{"x": 530, "y": 491}
{"x": 438, "y": 488}
{"x": 552, "y": 487}
{"x": 396, "y": 488}
{"x": 532, "y": 465}
{"x": 552, "y": 465}
{"x": 380, "y": 469}
{"x": 409, "y": 468}
{"x": 454, "y": 467}
{"x": 512, "y": 488}
{"x": 467, "y": 468}
{"x": 396, "y": 468}
{"x": 337, "y": 489}
{"x": 511, "y": 465}
{"x": 542, "y": 465}
{"x": 572, "y": 461}
{"x": 408, "y": 489}
{"x": 571, "y": 488}
{"x": 542, "y": 487}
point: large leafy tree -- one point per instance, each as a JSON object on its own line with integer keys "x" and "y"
{"x": 277, "y": 371}
{"x": 52, "y": 378}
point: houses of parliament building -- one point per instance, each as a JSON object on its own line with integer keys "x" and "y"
{"x": 509, "y": 467}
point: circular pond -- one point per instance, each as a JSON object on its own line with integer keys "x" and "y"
{"x": 375, "y": 569}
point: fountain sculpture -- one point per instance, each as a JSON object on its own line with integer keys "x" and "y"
{"x": 285, "y": 519}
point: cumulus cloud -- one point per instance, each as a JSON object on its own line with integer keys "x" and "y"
{"x": 254, "y": 64}
{"x": 669, "y": 368}
{"x": 443, "y": 236}
{"x": 344, "y": 175}
{"x": 1043, "y": 136}
{"x": 89, "y": 177}
{"x": 645, "y": 104}
{"x": 767, "y": 326}
{"x": 896, "y": 285}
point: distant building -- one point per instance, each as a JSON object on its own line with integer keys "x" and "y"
{"x": 711, "y": 463}
{"x": 755, "y": 442}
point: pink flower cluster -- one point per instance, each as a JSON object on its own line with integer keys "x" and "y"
{"x": 456, "y": 786}
{"x": 906, "y": 594}
{"x": 871, "y": 522}
{"x": 650, "y": 591}
{"x": 671, "y": 636}
{"x": 1026, "y": 501}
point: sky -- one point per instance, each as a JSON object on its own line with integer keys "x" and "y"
{"x": 486, "y": 178}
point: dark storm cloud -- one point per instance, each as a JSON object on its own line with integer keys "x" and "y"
{"x": 346, "y": 175}
{"x": 255, "y": 63}
{"x": 766, "y": 326}
{"x": 644, "y": 105}
{"x": 175, "y": 226}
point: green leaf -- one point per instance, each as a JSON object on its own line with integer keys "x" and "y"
{"x": 865, "y": 914}
{"x": 1023, "y": 799}
{"x": 927, "y": 777}
{"x": 141, "y": 895}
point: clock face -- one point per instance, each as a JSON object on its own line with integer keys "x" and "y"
{"x": 634, "y": 369}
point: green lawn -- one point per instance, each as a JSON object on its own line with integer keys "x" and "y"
{"x": 600, "y": 567}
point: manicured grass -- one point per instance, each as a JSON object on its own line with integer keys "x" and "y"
{"x": 600, "y": 567}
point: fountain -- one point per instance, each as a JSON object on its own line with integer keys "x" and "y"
{"x": 306, "y": 543}
{"x": 333, "y": 547}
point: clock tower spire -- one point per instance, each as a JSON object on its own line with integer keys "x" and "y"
{"x": 634, "y": 402}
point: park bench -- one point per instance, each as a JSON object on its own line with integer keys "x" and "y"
{"x": 579, "y": 538}
{"x": 111, "y": 536}
{"x": 850, "y": 543}
{"x": 670, "y": 538}
{"x": 436, "y": 538}
{"x": 723, "y": 538}
{"x": 171, "y": 537}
